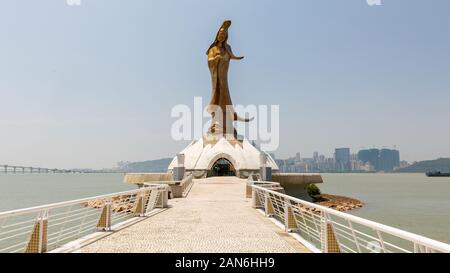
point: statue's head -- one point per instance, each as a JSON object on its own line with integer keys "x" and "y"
{"x": 222, "y": 34}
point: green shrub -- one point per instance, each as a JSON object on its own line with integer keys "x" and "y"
{"x": 313, "y": 190}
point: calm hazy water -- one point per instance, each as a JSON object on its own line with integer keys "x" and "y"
{"x": 25, "y": 190}
{"x": 411, "y": 202}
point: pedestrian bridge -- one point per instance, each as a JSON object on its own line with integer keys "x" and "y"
{"x": 218, "y": 214}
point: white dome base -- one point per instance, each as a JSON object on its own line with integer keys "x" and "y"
{"x": 200, "y": 156}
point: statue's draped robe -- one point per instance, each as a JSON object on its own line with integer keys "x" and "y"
{"x": 220, "y": 93}
{"x": 219, "y": 76}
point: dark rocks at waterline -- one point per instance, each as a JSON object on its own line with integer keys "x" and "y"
{"x": 340, "y": 203}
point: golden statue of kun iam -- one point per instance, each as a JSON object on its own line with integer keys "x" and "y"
{"x": 221, "y": 107}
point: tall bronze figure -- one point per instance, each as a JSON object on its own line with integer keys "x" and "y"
{"x": 221, "y": 107}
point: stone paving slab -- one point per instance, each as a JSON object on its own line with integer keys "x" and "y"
{"x": 215, "y": 217}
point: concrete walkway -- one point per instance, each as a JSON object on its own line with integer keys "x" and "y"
{"x": 215, "y": 217}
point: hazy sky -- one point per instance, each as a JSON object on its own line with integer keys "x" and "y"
{"x": 91, "y": 85}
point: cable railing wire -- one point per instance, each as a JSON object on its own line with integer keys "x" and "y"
{"x": 48, "y": 227}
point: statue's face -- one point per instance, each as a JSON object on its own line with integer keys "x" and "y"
{"x": 222, "y": 35}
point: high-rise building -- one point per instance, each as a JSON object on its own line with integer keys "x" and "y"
{"x": 370, "y": 156}
{"x": 316, "y": 157}
{"x": 382, "y": 160}
{"x": 322, "y": 158}
{"x": 389, "y": 160}
{"x": 342, "y": 159}
{"x": 297, "y": 157}
{"x": 355, "y": 163}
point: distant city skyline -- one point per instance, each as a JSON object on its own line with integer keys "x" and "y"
{"x": 344, "y": 160}
{"x": 88, "y": 86}
{"x": 331, "y": 153}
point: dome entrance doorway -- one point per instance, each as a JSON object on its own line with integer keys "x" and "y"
{"x": 222, "y": 167}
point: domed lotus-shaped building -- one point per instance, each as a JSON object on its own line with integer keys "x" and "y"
{"x": 222, "y": 157}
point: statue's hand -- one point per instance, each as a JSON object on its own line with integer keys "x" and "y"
{"x": 238, "y": 58}
{"x": 217, "y": 57}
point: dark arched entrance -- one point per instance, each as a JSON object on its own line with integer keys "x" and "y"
{"x": 222, "y": 167}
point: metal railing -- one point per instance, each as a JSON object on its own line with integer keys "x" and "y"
{"x": 186, "y": 184}
{"x": 48, "y": 227}
{"x": 322, "y": 229}
{"x": 252, "y": 181}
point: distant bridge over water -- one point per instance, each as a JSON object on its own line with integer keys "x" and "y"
{"x": 25, "y": 169}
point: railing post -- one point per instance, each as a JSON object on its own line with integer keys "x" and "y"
{"x": 256, "y": 203}
{"x": 268, "y": 206}
{"x": 187, "y": 185}
{"x": 290, "y": 223}
{"x": 163, "y": 198}
{"x": 323, "y": 233}
{"x": 104, "y": 222}
{"x": 139, "y": 209}
{"x": 38, "y": 238}
{"x": 248, "y": 190}
{"x": 328, "y": 237}
{"x": 419, "y": 248}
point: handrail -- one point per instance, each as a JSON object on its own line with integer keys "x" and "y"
{"x": 48, "y": 227}
{"x": 327, "y": 212}
{"x": 72, "y": 202}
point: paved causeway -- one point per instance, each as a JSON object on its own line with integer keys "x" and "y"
{"x": 215, "y": 217}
